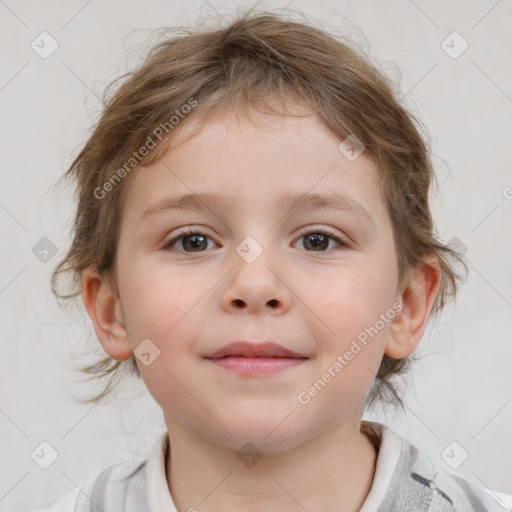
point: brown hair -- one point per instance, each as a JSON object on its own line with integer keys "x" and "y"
{"x": 255, "y": 58}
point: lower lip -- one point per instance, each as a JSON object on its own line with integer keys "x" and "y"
{"x": 257, "y": 365}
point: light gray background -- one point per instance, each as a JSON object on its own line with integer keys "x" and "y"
{"x": 463, "y": 388}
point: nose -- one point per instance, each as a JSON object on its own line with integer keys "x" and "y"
{"x": 256, "y": 287}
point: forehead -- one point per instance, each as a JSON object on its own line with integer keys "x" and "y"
{"x": 254, "y": 161}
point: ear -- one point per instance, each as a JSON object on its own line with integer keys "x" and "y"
{"x": 417, "y": 300}
{"x": 104, "y": 308}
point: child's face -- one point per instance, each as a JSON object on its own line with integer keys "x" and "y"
{"x": 195, "y": 298}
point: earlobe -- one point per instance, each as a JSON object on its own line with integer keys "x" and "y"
{"x": 417, "y": 300}
{"x": 105, "y": 310}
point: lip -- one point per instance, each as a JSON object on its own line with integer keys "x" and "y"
{"x": 255, "y": 359}
{"x": 246, "y": 349}
{"x": 257, "y": 366}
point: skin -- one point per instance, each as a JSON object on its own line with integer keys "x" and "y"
{"x": 314, "y": 302}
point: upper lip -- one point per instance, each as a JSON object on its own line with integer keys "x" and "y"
{"x": 247, "y": 349}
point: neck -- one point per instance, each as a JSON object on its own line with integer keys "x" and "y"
{"x": 331, "y": 470}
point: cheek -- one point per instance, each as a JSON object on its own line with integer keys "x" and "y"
{"x": 160, "y": 302}
{"x": 165, "y": 308}
{"x": 351, "y": 318}
{"x": 348, "y": 304}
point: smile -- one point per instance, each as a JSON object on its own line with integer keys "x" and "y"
{"x": 254, "y": 366}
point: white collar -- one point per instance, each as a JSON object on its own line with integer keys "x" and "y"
{"x": 387, "y": 462}
{"x": 157, "y": 489}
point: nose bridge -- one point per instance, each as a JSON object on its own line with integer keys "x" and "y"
{"x": 255, "y": 281}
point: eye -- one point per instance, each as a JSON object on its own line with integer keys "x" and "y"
{"x": 316, "y": 240}
{"x": 191, "y": 241}
{"x": 319, "y": 238}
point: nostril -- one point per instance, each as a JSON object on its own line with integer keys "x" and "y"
{"x": 239, "y": 302}
{"x": 272, "y": 303}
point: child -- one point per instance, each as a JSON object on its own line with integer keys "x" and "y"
{"x": 253, "y": 239}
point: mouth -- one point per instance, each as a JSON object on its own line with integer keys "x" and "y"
{"x": 246, "y": 358}
{"x": 267, "y": 349}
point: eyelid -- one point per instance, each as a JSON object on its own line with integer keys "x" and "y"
{"x": 186, "y": 231}
{"x": 338, "y": 236}
{"x": 341, "y": 239}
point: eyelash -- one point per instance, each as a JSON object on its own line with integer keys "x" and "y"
{"x": 343, "y": 244}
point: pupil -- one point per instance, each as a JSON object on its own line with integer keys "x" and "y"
{"x": 315, "y": 240}
{"x": 318, "y": 240}
{"x": 194, "y": 240}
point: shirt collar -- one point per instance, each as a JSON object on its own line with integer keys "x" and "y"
{"x": 157, "y": 489}
{"x": 387, "y": 461}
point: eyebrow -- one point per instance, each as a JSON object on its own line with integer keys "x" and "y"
{"x": 330, "y": 201}
{"x": 288, "y": 201}
{"x": 187, "y": 202}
